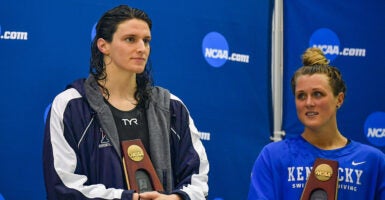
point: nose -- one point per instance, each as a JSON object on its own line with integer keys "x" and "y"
{"x": 309, "y": 101}
{"x": 141, "y": 45}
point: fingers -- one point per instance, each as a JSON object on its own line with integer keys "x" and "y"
{"x": 149, "y": 195}
{"x": 158, "y": 196}
{"x": 136, "y": 196}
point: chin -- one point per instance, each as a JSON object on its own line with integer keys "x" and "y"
{"x": 310, "y": 124}
{"x": 138, "y": 70}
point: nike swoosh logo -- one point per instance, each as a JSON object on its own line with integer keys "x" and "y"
{"x": 358, "y": 163}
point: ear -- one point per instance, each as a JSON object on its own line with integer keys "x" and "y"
{"x": 103, "y": 46}
{"x": 340, "y": 99}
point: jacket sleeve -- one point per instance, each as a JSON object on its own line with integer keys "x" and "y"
{"x": 190, "y": 163}
{"x": 262, "y": 183}
{"x": 61, "y": 160}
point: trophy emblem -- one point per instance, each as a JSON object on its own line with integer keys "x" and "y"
{"x": 323, "y": 181}
{"x": 138, "y": 168}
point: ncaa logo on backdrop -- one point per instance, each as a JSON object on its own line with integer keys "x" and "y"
{"x": 215, "y": 49}
{"x": 375, "y": 128}
{"x": 329, "y": 42}
{"x": 13, "y": 35}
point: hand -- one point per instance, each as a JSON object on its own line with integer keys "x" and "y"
{"x": 158, "y": 196}
{"x": 135, "y": 196}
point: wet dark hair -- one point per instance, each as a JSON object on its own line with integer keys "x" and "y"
{"x": 105, "y": 28}
{"x": 315, "y": 62}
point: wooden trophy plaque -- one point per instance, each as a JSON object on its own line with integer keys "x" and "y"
{"x": 322, "y": 183}
{"x": 140, "y": 173}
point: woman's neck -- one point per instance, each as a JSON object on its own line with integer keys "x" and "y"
{"x": 121, "y": 91}
{"x": 326, "y": 140}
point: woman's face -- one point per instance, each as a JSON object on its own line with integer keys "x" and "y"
{"x": 315, "y": 103}
{"x": 129, "y": 48}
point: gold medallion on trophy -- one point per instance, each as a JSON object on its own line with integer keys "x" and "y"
{"x": 323, "y": 172}
{"x": 135, "y": 153}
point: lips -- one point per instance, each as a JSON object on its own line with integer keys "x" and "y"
{"x": 141, "y": 59}
{"x": 311, "y": 114}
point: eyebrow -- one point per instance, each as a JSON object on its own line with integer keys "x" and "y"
{"x": 135, "y": 35}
